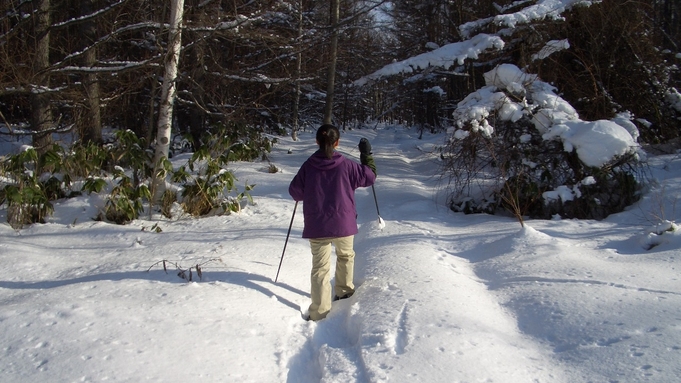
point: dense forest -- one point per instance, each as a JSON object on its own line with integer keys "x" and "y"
{"x": 83, "y": 65}
{"x": 249, "y": 68}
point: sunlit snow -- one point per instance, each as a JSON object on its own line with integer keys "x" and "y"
{"x": 441, "y": 296}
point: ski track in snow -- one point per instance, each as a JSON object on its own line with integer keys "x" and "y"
{"x": 364, "y": 337}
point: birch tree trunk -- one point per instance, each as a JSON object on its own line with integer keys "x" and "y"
{"x": 165, "y": 114}
{"x": 333, "y": 56}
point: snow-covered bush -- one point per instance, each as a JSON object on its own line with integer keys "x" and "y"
{"x": 673, "y": 97}
{"x": 519, "y": 145}
{"x": 23, "y": 190}
{"x": 30, "y": 181}
{"x": 659, "y": 234}
{"x": 205, "y": 184}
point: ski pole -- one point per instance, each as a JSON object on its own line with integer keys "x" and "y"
{"x": 380, "y": 220}
{"x": 285, "y": 243}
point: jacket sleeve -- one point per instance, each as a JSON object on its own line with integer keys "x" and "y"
{"x": 364, "y": 176}
{"x": 297, "y": 187}
{"x": 368, "y": 160}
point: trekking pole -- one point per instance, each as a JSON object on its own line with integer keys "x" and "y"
{"x": 380, "y": 220}
{"x": 285, "y": 243}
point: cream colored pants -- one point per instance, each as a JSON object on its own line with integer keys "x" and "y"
{"x": 321, "y": 272}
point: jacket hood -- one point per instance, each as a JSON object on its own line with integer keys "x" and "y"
{"x": 319, "y": 160}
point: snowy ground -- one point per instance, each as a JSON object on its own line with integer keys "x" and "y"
{"x": 441, "y": 297}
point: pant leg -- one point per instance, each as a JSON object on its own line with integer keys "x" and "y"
{"x": 345, "y": 265}
{"x": 320, "y": 278}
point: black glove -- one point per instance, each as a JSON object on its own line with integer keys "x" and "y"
{"x": 365, "y": 156}
{"x": 364, "y": 146}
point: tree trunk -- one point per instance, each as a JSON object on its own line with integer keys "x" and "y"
{"x": 299, "y": 65}
{"x": 333, "y": 56}
{"x": 92, "y": 124}
{"x": 151, "y": 109}
{"x": 165, "y": 115}
{"x": 41, "y": 113}
{"x": 197, "y": 112}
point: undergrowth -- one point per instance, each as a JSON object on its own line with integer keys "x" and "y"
{"x": 31, "y": 181}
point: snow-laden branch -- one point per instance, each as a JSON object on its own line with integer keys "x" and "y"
{"x": 543, "y": 9}
{"x": 259, "y": 78}
{"x": 128, "y": 28}
{"x": 445, "y": 57}
{"x": 472, "y": 47}
{"x": 89, "y": 16}
{"x": 34, "y": 89}
{"x": 15, "y": 12}
{"x": 238, "y": 22}
{"x": 550, "y": 48}
{"x": 117, "y": 66}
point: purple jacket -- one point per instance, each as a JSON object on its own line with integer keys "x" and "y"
{"x": 327, "y": 189}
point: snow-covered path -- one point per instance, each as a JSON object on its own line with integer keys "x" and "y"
{"x": 418, "y": 303}
{"x": 441, "y": 297}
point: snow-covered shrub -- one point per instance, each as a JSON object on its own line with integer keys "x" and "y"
{"x": 659, "y": 234}
{"x": 32, "y": 180}
{"x": 206, "y": 184}
{"x": 23, "y": 191}
{"x": 673, "y": 97}
{"x": 520, "y": 145}
{"x": 125, "y": 203}
{"x": 131, "y": 162}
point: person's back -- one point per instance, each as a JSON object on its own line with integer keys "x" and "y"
{"x": 327, "y": 188}
{"x": 326, "y": 184}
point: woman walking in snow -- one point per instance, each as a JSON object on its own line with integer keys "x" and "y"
{"x": 326, "y": 184}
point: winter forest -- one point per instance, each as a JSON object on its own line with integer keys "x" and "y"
{"x": 265, "y": 64}
{"x": 130, "y": 83}
{"x": 527, "y": 154}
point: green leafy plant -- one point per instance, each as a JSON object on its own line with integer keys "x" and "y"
{"x": 26, "y": 203}
{"x": 239, "y": 142}
{"x": 83, "y": 161}
{"x": 234, "y": 204}
{"x": 168, "y": 199}
{"x": 206, "y": 183}
{"x": 206, "y": 190}
{"x": 94, "y": 185}
{"x": 26, "y": 197}
{"x": 34, "y": 181}
{"x": 155, "y": 228}
{"x": 126, "y": 201}
{"x": 131, "y": 152}
{"x": 67, "y": 166}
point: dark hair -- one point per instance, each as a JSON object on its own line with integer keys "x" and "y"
{"x": 327, "y": 136}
